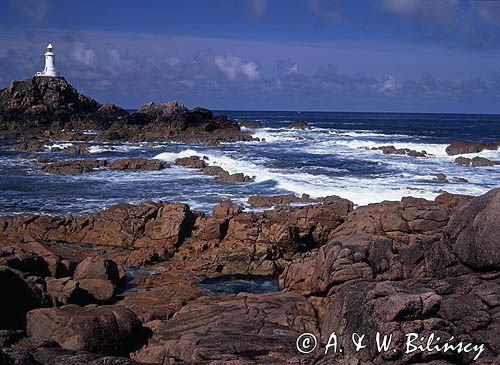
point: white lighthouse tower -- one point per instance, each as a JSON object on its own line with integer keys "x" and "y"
{"x": 50, "y": 68}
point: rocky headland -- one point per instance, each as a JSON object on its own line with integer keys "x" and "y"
{"x": 50, "y": 108}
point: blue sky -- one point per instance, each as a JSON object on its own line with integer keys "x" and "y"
{"x": 371, "y": 55}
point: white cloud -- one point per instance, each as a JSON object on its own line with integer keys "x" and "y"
{"x": 233, "y": 67}
{"x": 389, "y": 85}
{"x": 83, "y": 55}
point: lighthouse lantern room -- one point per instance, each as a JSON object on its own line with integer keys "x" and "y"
{"x": 50, "y": 68}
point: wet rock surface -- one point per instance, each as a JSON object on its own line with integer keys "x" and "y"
{"x": 391, "y": 150}
{"x": 218, "y": 172}
{"x": 299, "y": 124}
{"x": 459, "y": 147}
{"x": 475, "y": 161}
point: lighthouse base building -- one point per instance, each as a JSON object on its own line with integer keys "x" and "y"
{"x": 50, "y": 67}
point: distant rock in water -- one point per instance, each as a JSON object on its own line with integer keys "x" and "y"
{"x": 475, "y": 162}
{"x": 254, "y": 124}
{"x": 135, "y": 164}
{"x": 221, "y": 175}
{"x": 73, "y": 167}
{"x": 299, "y": 124}
{"x": 391, "y": 150}
{"x": 458, "y": 147}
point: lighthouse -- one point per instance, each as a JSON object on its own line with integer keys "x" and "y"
{"x": 50, "y": 68}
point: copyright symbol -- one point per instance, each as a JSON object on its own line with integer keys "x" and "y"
{"x": 306, "y": 343}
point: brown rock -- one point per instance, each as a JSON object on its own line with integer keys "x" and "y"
{"x": 474, "y": 232}
{"x": 243, "y": 329}
{"x": 107, "y": 329}
{"x": 135, "y": 164}
{"x": 73, "y": 167}
{"x": 299, "y": 124}
{"x": 459, "y": 147}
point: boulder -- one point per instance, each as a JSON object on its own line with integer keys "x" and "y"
{"x": 459, "y": 147}
{"x": 253, "y": 124}
{"x": 110, "y": 330}
{"x": 441, "y": 178}
{"x": 18, "y": 299}
{"x": 101, "y": 278}
{"x": 266, "y": 201}
{"x": 474, "y": 232}
{"x": 475, "y": 161}
{"x": 193, "y": 162}
{"x": 299, "y": 124}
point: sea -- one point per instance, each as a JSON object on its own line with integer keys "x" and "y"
{"x": 334, "y": 157}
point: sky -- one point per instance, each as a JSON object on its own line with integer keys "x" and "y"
{"x": 311, "y": 55}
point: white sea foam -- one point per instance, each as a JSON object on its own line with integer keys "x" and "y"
{"x": 360, "y": 190}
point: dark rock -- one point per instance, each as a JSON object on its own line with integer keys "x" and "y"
{"x": 135, "y": 164}
{"x": 253, "y": 124}
{"x": 193, "y": 162}
{"x": 32, "y": 146}
{"x": 475, "y": 161}
{"x": 299, "y": 124}
{"x": 391, "y": 150}
{"x": 458, "y": 147}
{"x": 42, "y": 102}
{"x": 264, "y": 201}
{"x": 18, "y": 299}
{"x": 111, "y": 330}
{"x": 73, "y": 167}
{"x": 441, "y": 178}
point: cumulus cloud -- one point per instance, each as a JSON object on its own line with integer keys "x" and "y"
{"x": 81, "y": 54}
{"x": 234, "y": 67}
{"x": 389, "y": 85}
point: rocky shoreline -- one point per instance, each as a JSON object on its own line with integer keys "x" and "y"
{"x": 127, "y": 284}
{"x": 435, "y": 262}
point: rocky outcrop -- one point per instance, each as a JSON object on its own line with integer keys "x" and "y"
{"x": 263, "y": 330}
{"x": 390, "y": 240}
{"x": 51, "y": 103}
{"x": 73, "y": 167}
{"x": 299, "y": 124}
{"x": 220, "y": 174}
{"x": 474, "y": 232}
{"x": 173, "y": 121}
{"x": 135, "y": 164}
{"x": 110, "y": 330}
{"x": 268, "y": 201}
{"x": 475, "y": 161}
{"x": 252, "y": 124}
{"x": 391, "y": 150}
{"x": 154, "y": 229}
{"x": 459, "y": 147}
